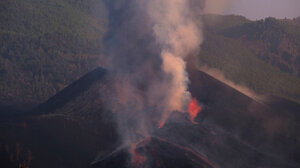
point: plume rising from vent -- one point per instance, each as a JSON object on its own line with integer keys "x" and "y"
{"x": 148, "y": 42}
{"x": 176, "y": 31}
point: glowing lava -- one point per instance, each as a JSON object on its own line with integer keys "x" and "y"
{"x": 161, "y": 124}
{"x": 194, "y": 108}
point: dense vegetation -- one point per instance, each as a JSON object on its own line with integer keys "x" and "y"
{"x": 262, "y": 55}
{"x": 274, "y": 41}
{"x": 45, "y": 45}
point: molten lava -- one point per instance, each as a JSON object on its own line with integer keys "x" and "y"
{"x": 194, "y": 108}
{"x": 161, "y": 124}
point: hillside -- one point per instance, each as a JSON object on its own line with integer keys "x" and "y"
{"x": 234, "y": 45}
{"x": 45, "y": 45}
{"x": 274, "y": 41}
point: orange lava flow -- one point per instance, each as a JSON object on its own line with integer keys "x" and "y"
{"x": 194, "y": 108}
{"x": 161, "y": 124}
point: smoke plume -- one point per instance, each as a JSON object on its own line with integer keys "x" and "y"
{"x": 176, "y": 31}
{"x": 148, "y": 42}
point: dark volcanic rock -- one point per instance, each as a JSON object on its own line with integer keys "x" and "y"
{"x": 268, "y": 126}
{"x": 233, "y": 130}
{"x": 155, "y": 152}
{"x": 72, "y": 91}
{"x": 68, "y": 130}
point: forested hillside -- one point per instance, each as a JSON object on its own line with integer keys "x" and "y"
{"x": 262, "y": 55}
{"x": 45, "y": 45}
{"x": 274, "y": 41}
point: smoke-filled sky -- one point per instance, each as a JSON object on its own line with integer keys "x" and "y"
{"x": 256, "y": 9}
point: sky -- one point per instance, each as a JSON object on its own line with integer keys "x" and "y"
{"x": 257, "y": 9}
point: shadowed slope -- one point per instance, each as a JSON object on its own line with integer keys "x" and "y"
{"x": 233, "y": 130}
{"x": 72, "y": 91}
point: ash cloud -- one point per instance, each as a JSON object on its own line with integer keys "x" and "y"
{"x": 147, "y": 43}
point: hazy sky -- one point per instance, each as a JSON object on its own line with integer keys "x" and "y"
{"x": 258, "y": 9}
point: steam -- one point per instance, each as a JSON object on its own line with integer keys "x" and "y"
{"x": 148, "y": 42}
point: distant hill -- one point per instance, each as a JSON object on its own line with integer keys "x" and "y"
{"x": 297, "y": 19}
{"x": 262, "y": 55}
{"x": 274, "y": 41}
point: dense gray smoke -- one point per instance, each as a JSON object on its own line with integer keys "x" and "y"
{"x": 148, "y": 42}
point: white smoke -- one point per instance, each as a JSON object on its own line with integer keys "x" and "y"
{"x": 148, "y": 42}
{"x": 177, "y": 32}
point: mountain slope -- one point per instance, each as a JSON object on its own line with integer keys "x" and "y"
{"x": 73, "y": 126}
{"x": 66, "y": 131}
{"x": 274, "y": 41}
{"x": 45, "y": 45}
{"x": 231, "y": 49}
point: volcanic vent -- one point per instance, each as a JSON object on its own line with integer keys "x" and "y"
{"x": 148, "y": 52}
{"x": 155, "y": 152}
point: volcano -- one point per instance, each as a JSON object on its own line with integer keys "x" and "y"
{"x": 74, "y": 129}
